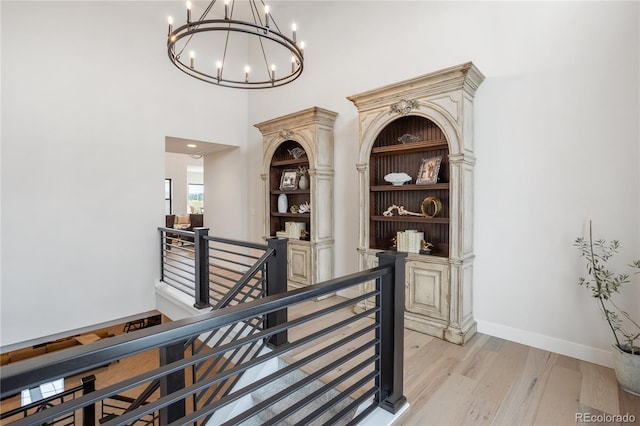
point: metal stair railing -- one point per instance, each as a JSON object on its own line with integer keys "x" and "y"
{"x": 111, "y": 410}
{"x": 215, "y": 271}
{"x": 362, "y": 379}
{"x": 86, "y": 386}
{"x": 226, "y": 259}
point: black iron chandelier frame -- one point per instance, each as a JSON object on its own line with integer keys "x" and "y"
{"x": 258, "y": 29}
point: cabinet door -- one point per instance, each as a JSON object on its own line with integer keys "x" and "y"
{"x": 299, "y": 264}
{"x": 427, "y": 287}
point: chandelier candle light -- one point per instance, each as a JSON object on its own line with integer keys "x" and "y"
{"x": 228, "y": 37}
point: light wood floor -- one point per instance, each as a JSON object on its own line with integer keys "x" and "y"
{"x": 494, "y": 381}
{"x": 486, "y": 381}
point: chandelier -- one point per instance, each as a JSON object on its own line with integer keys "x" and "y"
{"x": 202, "y": 48}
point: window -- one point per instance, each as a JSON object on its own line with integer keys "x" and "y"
{"x": 196, "y": 198}
{"x": 45, "y": 390}
{"x": 168, "y": 196}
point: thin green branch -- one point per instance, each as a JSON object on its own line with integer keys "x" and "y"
{"x": 603, "y": 285}
{"x": 599, "y": 285}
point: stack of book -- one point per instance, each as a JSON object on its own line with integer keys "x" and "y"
{"x": 409, "y": 240}
{"x": 294, "y": 229}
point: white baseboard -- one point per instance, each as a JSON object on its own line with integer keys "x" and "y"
{"x": 548, "y": 343}
{"x": 380, "y": 417}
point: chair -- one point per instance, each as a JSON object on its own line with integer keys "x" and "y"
{"x": 196, "y": 220}
{"x": 169, "y": 222}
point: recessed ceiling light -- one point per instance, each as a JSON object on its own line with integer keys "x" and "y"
{"x": 191, "y": 145}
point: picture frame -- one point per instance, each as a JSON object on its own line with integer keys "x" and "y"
{"x": 429, "y": 169}
{"x": 289, "y": 179}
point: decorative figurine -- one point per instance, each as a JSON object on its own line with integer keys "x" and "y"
{"x": 304, "y": 207}
{"x": 397, "y": 179}
{"x": 408, "y": 137}
{"x": 297, "y": 152}
{"x": 401, "y": 211}
{"x": 425, "y": 246}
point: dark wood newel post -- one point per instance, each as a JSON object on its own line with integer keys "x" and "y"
{"x": 276, "y": 284}
{"x": 201, "y": 254}
{"x": 88, "y": 411}
{"x": 392, "y": 331}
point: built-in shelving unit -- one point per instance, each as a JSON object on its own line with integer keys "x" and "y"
{"x": 400, "y": 126}
{"x": 281, "y": 161}
{"x": 310, "y": 133}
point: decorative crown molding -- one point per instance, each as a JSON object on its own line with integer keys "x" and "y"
{"x": 465, "y": 77}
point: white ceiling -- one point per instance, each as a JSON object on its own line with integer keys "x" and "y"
{"x": 182, "y": 146}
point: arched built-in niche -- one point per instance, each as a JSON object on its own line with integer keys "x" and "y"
{"x": 438, "y": 283}
{"x": 310, "y": 260}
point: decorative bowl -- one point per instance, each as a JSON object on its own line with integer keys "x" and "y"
{"x": 397, "y": 179}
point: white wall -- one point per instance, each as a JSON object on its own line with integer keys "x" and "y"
{"x": 225, "y": 199}
{"x": 83, "y": 132}
{"x": 88, "y": 96}
{"x": 556, "y": 133}
{"x": 176, "y": 169}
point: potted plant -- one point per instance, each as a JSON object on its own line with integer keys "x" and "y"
{"x": 603, "y": 285}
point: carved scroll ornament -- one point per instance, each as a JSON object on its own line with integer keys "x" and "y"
{"x": 403, "y": 107}
{"x": 286, "y": 134}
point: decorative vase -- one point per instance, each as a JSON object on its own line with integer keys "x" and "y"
{"x": 303, "y": 183}
{"x": 283, "y": 203}
{"x": 627, "y": 367}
